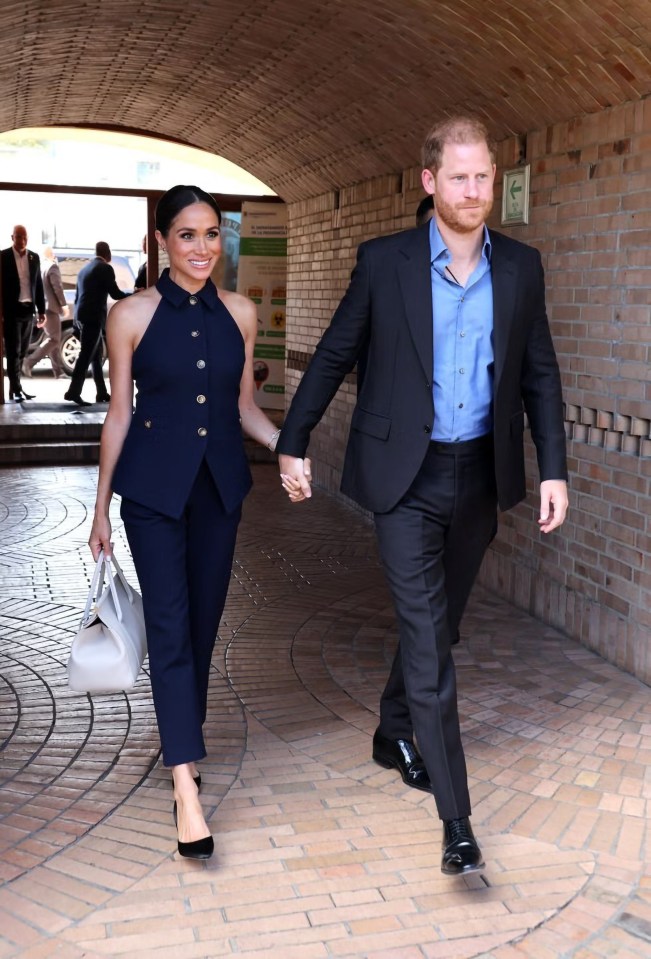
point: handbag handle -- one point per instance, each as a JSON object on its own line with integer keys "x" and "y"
{"x": 122, "y": 578}
{"x": 111, "y": 582}
{"x": 99, "y": 569}
{"x": 103, "y": 567}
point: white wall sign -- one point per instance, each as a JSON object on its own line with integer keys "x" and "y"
{"x": 515, "y": 195}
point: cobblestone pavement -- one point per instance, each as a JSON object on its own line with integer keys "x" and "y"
{"x": 319, "y": 852}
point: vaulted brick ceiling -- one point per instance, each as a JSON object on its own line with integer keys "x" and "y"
{"x": 314, "y": 94}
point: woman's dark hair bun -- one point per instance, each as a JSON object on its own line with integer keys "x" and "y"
{"x": 171, "y": 203}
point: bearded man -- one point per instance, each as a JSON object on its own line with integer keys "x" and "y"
{"x": 449, "y": 324}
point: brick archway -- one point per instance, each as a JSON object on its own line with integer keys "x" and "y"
{"x": 320, "y": 94}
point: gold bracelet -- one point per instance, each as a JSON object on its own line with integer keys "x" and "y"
{"x": 271, "y": 445}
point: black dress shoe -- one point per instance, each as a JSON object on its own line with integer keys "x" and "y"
{"x": 103, "y": 398}
{"x": 20, "y": 395}
{"x": 461, "y": 854}
{"x": 403, "y": 756}
{"x": 76, "y": 399}
{"x": 199, "y": 849}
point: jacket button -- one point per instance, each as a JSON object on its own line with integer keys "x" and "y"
{"x": 193, "y": 301}
{"x": 147, "y": 424}
{"x": 201, "y": 364}
{"x": 201, "y": 398}
{"x": 427, "y": 429}
{"x": 195, "y": 333}
{"x": 202, "y": 431}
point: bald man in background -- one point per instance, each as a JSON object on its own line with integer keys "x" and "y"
{"x": 22, "y": 297}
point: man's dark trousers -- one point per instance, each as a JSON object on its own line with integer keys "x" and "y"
{"x": 432, "y": 544}
{"x": 18, "y": 333}
{"x": 90, "y": 352}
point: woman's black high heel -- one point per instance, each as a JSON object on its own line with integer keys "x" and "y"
{"x": 199, "y": 849}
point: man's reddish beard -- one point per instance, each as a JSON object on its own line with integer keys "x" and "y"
{"x": 451, "y": 214}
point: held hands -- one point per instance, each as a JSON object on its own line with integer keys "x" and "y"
{"x": 295, "y": 476}
{"x": 100, "y": 537}
{"x": 553, "y": 504}
{"x": 40, "y": 323}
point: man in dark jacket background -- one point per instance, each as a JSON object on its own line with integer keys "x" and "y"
{"x": 95, "y": 282}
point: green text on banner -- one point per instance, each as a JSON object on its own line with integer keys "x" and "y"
{"x": 262, "y": 276}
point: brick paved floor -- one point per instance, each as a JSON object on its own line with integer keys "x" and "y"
{"x": 319, "y": 852}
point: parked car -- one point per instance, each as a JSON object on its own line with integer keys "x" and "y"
{"x": 70, "y": 263}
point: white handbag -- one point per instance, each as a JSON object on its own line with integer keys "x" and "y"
{"x": 108, "y": 651}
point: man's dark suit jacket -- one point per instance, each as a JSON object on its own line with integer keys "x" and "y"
{"x": 386, "y": 317}
{"x": 11, "y": 282}
{"x": 95, "y": 282}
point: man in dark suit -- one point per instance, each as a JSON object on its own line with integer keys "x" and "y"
{"x": 95, "y": 282}
{"x": 22, "y": 297}
{"x": 451, "y": 319}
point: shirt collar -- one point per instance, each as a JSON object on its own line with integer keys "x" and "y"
{"x": 177, "y": 296}
{"x": 439, "y": 249}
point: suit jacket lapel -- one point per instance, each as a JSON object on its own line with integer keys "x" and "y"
{"x": 414, "y": 272}
{"x": 503, "y": 277}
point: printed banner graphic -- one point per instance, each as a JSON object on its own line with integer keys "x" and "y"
{"x": 262, "y": 276}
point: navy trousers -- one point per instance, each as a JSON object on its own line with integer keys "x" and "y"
{"x": 18, "y": 333}
{"x": 90, "y": 354}
{"x": 184, "y": 568}
{"x": 432, "y": 544}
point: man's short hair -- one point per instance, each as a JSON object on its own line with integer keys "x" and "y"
{"x": 425, "y": 210}
{"x": 103, "y": 249}
{"x": 455, "y": 130}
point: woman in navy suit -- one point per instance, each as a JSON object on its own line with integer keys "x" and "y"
{"x": 179, "y": 464}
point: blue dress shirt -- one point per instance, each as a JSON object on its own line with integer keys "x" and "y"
{"x": 463, "y": 346}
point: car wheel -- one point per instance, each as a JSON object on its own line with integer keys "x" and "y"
{"x": 70, "y": 346}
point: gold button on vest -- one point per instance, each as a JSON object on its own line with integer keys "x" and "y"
{"x": 201, "y": 398}
{"x": 202, "y": 431}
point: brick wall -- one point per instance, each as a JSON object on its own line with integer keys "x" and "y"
{"x": 591, "y": 220}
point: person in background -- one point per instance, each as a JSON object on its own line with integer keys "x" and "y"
{"x": 179, "y": 464}
{"x": 425, "y": 210}
{"x": 453, "y": 324}
{"x": 95, "y": 283}
{"x": 22, "y": 296}
{"x": 141, "y": 276}
{"x": 55, "y": 308}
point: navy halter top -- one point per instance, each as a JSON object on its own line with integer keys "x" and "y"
{"x": 187, "y": 370}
